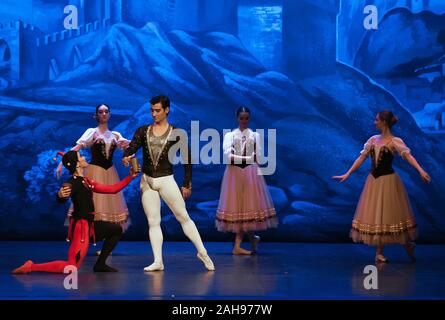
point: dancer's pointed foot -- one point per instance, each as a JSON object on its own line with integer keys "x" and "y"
{"x": 104, "y": 268}
{"x": 24, "y": 268}
{"x": 380, "y": 258}
{"x": 208, "y": 263}
{"x": 155, "y": 266}
{"x": 410, "y": 251}
{"x": 241, "y": 251}
{"x": 256, "y": 239}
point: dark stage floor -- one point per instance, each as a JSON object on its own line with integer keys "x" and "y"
{"x": 279, "y": 271}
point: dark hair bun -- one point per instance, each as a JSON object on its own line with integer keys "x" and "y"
{"x": 394, "y": 120}
{"x": 388, "y": 117}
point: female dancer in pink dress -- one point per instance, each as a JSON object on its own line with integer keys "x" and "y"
{"x": 102, "y": 143}
{"x": 384, "y": 215}
{"x": 245, "y": 204}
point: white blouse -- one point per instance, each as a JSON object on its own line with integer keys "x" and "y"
{"x": 236, "y": 141}
{"x": 92, "y": 135}
{"x": 395, "y": 145}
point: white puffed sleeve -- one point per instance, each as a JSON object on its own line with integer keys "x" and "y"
{"x": 400, "y": 147}
{"x": 367, "y": 146}
{"x": 86, "y": 139}
{"x": 120, "y": 138}
{"x": 227, "y": 144}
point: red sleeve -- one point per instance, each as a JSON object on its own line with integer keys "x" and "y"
{"x": 115, "y": 188}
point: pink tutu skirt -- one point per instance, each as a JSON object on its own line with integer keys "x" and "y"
{"x": 245, "y": 203}
{"x": 384, "y": 214}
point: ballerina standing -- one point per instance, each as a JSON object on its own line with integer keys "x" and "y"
{"x": 102, "y": 143}
{"x": 384, "y": 215}
{"x": 245, "y": 204}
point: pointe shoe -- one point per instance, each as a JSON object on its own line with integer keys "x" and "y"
{"x": 255, "y": 241}
{"x": 410, "y": 251}
{"x": 208, "y": 263}
{"x": 241, "y": 251}
{"x": 380, "y": 258}
{"x": 23, "y": 269}
{"x": 155, "y": 266}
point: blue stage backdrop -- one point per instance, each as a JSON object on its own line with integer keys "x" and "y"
{"x": 317, "y": 71}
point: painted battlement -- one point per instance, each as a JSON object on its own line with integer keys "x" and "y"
{"x": 18, "y": 24}
{"x": 58, "y": 36}
{"x": 10, "y": 25}
{"x": 19, "y": 30}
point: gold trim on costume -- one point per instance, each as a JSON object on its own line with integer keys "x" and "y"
{"x": 400, "y": 227}
{"x": 240, "y": 217}
{"x": 155, "y": 163}
{"x": 115, "y": 218}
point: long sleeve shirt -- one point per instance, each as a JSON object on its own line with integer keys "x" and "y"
{"x": 156, "y": 161}
{"x": 82, "y": 190}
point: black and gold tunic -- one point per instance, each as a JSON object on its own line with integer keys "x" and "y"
{"x": 156, "y": 150}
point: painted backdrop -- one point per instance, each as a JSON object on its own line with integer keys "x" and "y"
{"x": 309, "y": 69}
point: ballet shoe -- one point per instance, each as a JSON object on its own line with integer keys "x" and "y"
{"x": 155, "y": 266}
{"x": 24, "y": 268}
{"x": 255, "y": 241}
{"x": 410, "y": 251}
{"x": 208, "y": 263}
{"x": 241, "y": 251}
{"x": 380, "y": 258}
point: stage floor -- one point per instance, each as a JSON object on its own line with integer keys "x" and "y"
{"x": 279, "y": 271}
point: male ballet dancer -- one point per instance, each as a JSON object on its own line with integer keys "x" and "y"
{"x": 157, "y": 181}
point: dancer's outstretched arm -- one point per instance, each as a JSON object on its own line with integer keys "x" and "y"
{"x": 357, "y": 163}
{"x": 405, "y": 152}
{"x": 115, "y": 188}
{"x": 413, "y": 162}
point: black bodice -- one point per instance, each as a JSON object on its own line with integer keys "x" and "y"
{"x": 99, "y": 154}
{"x": 383, "y": 165}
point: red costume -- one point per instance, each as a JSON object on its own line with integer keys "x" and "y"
{"x": 82, "y": 227}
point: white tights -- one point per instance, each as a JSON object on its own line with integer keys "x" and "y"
{"x": 166, "y": 187}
